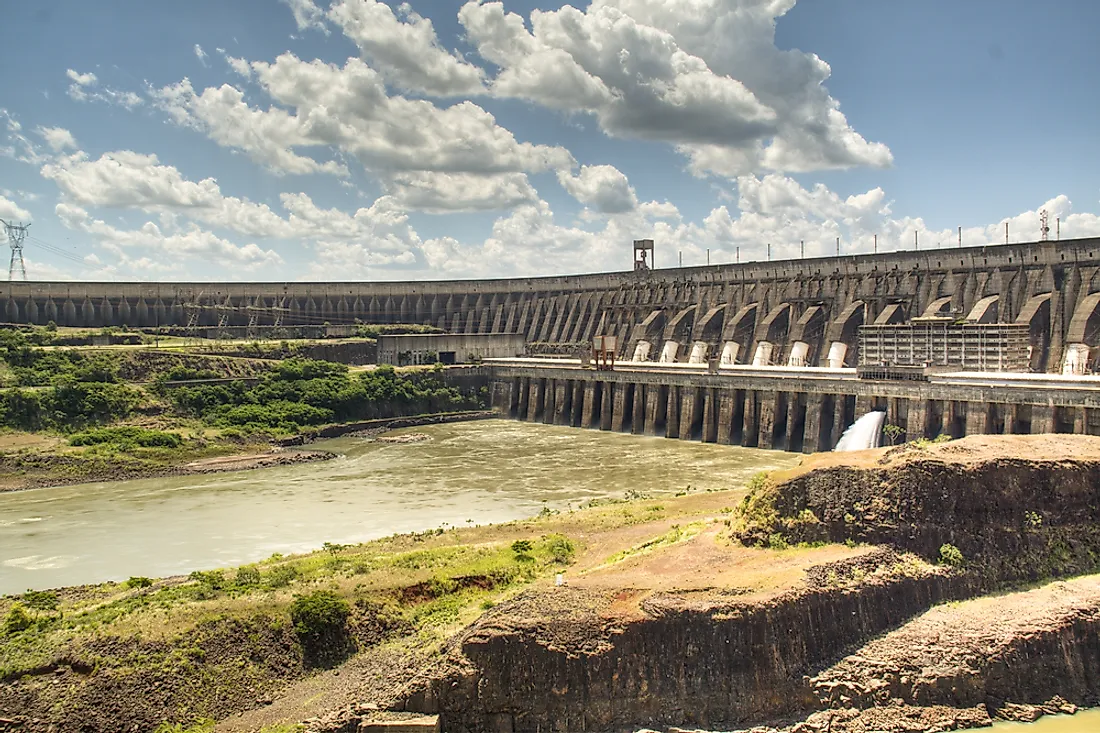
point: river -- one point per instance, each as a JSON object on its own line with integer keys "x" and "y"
{"x": 480, "y": 472}
{"x": 1086, "y": 721}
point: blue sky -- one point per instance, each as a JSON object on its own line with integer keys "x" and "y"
{"x": 306, "y": 139}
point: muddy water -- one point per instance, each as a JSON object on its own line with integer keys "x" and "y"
{"x": 486, "y": 471}
{"x": 1086, "y": 721}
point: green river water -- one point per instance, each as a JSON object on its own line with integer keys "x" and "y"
{"x": 1086, "y": 721}
{"x": 485, "y": 471}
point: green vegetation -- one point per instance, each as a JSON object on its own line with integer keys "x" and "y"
{"x": 301, "y": 392}
{"x": 127, "y": 437}
{"x": 951, "y": 556}
{"x": 67, "y": 405}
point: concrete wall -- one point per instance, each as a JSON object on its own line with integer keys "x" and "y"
{"x": 403, "y": 349}
{"x": 816, "y": 302}
{"x": 803, "y": 415}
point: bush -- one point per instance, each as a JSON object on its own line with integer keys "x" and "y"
{"x": 951, "y": 556}
{"x": 127, "y": 438}
{"x": 17, "y": 619}
{"x": 214, "y": 579}
{"x": 320, "y": 620}
{"x": 560, "y": 548}
{"x": 139, "y": 581}
{"x": 40, "y": 600}
{"x": 319, "y": 613}
{"x": 247, "y": 576}
{"x": 281, "y": 576}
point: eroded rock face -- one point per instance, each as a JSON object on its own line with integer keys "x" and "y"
{"x": 1011, "y": 518}
{"x": 714, "y": 664}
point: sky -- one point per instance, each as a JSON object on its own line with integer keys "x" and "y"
{"x": 324, "y": 140}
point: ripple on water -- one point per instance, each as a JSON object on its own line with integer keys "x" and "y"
{"x": 39, "y": 562}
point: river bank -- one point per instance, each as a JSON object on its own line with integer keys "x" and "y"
{"x": 52, "y": 465}
{"x": 698, "y": 611}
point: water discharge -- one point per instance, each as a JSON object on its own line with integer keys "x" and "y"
{"x": 488, "y": 471}
{"x": 864, "y": 433}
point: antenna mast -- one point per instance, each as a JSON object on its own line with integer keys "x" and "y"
{"x": 16, "y": 234}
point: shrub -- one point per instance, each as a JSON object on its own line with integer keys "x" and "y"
{"x": 318, "y": 613}
{"x": 40, "y": 600}
{"x": 281, "y": 576}
{"x": 127, "y": 437}
{"x": 214, "y": 579}
{"x": 247, "y": 576}
{"x": 560, "y": 548}
{"x": 521, "y": 547}
{"x": 320, "y": 620}
{"x": 951, "y": 556}
{"x": 139, "y": 581}
{"x": 777, "y": 541}
{"x": 17, "y": 619}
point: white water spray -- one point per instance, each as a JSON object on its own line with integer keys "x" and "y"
{"x": 864, "y": 433}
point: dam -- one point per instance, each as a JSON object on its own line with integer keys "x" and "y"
{"x": 759, "y": 354}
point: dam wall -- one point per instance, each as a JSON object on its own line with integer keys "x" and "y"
{"x": 796, "y": 409}
{"x": 799, "y": 312}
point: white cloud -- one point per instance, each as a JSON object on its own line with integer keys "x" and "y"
{"x": 85, "y": 88}
{"x": 602, "y": 187}
{"x": 414, "y": 148}
{"x": 440, "y": 193}
{"x": 704, "y": 75}
{"x": 18, "y": 146}
{"x": 13, "y": 212}
{"x": 307, "y": 15}
{"x": 406, "y": 50}
{"x": 192, "y": 245}
{"x": 58, "y": 138}
{"x": 268, "y": 136}
{"x": 200, "y": 54}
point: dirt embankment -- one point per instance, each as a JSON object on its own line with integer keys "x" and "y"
{"x": 721, "y": 658}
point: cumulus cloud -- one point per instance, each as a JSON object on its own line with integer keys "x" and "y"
{"x": 705, "y": 76}
{"x": 190, "y": 245}
{"x": 440, "y": 193}
{"x": 307, "y": 16}
{"x": 13, "y": 212}
{"x": 58, "y": 138}
{"x": 348, "y": 109}
{"x": 601, "y": 187}
{"x": 405, "y": 48}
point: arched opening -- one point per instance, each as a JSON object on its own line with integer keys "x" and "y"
{"x": 1036, "y": 313}
{"x": 1083, "y": 336}
{"x": 938, "y": 307}
{"x": 985, "y": 310}
{"x": 843, "y": 336}
{"x": 678, "y": 332}
{"x": 738, "y": 334}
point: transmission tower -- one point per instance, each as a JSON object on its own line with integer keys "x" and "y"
{"x": 16, "y": 234}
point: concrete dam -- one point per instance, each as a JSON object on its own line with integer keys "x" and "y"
{"x": 760, "y": 353}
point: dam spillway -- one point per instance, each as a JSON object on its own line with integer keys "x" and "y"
{"x": 795, "y": 409}
{"x": 799, "y": 312}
